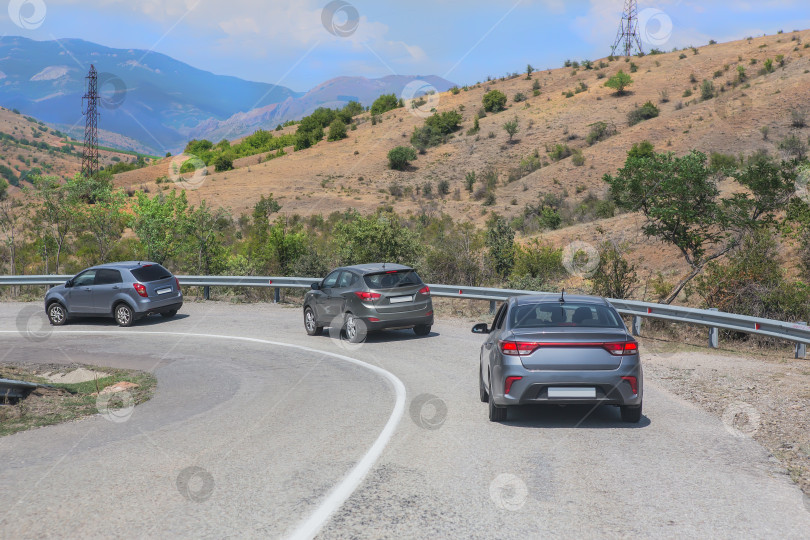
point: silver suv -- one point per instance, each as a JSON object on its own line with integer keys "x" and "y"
{"x": 126, "y": 291}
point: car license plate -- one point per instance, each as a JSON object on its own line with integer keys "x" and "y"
{"x": 572, "y": 393}
{"x": 164, "y": 291}
{"x": 401, "y": 299}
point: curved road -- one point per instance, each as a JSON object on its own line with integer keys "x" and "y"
{"x": 247, "y": 438}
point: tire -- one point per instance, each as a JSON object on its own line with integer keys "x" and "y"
{"x": 124, "y": 315}
{"x": 496, "y": 414}
{"x": 57, "y": 314}
{"x": 169, "y": 314}
{"x": 355, "y": 329}
{"x": 631, "y": 414}
{"x": 310, "y": 323}
{"x": 421, "y": 329}
{"x": 482, "y": 392}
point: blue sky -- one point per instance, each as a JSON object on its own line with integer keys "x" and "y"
{"x": 288, "y": 43}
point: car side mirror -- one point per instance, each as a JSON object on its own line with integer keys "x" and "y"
{"x": 480, "y": 328}
{"x": 316, "y": 286}
{"x": 69, "y": 283}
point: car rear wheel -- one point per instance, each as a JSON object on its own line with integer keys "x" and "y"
{"x": 355, "y": 329}
{"x": 496, "y": 414}
{"x": 124, "y": 315}
{"x": 482, "y": 392}
{"x": 421, "y": 329}
{"x": 310, "y": 324}
{"x": 631, "y": 414}
{"x": 57, "y": 314}
{"x": 169, "y": 314}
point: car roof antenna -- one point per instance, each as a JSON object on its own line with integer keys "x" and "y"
{"x": 562, "y": 296}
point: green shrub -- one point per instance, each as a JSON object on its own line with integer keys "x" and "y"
{"x": 494, "y": 101}
{"x": 599, "y": 132}
{"x": 400, "y": 157}
{"x": 578, "y": 158}
{"x": 560, "y": 151}
{"x": 722, "y": 162}
{"x": 337, "y": 130}
{"x": 645, "y": 112}
{"x": 519, "y": 97}
{"x": 706, "y": 90}
{"x": 384, "y": 103}
{"x": 619, "y": 82}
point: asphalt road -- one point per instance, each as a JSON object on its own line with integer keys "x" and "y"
{"x": 249, "y": 438}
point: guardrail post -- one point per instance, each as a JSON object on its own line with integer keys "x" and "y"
{"x": 206, "y": 293}
{"x": 800, "y": 348}
{"x": 637, "y": 325}
{"x": 276, "y": 295}
{"x": 714, "y": 334}
{"x": 492, "y": 307}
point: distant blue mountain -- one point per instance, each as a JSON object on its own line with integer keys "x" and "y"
{"x": 160, "y": 102}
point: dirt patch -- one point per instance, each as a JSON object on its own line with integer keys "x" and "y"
{"x": 67, "y": 401}
{"x": 764, "y": 395}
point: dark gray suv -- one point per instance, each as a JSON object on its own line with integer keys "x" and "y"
{"x": 366, "y": 297}
{"x": 126, "y": 291}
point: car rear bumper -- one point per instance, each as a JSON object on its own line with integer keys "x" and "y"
{"x": 532, "y": 388}
{"x": 150, "y": 305}
{"x": 391, "y": 322}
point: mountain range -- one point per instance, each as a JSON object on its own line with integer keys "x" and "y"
{"x": 153, "y": 103}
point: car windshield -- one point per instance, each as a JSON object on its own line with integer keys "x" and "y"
{"x": 153, "y": 272}
{"x": 392, "y": 279}
{"x": 554, "y": 314}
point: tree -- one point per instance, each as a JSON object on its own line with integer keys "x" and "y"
{"x": 205, "y": 238}
{"x": 529, "y": 71}
{"x": 285, "y": 245}
{"x": 377, "y": 238}
{"x": 223, "y": 162}
{"x": 680, "y": 200}
{"x": 512, "y": 127}
{"x": 11, "y": 221}
{"x": 103, "y": 219}
{"x": 500, "y": 241}
{"x": 494, "y": 101}
{"x": 400, "y": 157}
{"x": 436, "y": 129}
{"x": 161, "y": 224}
{"x": 614, "y": 277}
{"x": 384, "y": 103}
{"x": 337, "y": 130}
{"x": 619, "y": 82}
{"x": 54, "y": 216}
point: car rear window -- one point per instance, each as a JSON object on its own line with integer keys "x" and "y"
{"x": 153, "y": 272}
{"x": 551, "y": 315}
{"x": 392, "y": 279}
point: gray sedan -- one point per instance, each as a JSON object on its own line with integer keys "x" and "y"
{"x": 126, "y": 291}
{"x": 361, "y": 298}
{"x": 559, "y": 349}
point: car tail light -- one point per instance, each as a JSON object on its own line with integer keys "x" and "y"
{"x": 518, "y": 348}
{"x": 373, "y": 319}
{"x": 633, "y": 383}
{"x": 509, "y": 382}
{"x": 425, "y": 290}
{"x": 140, "y": 289}
{"x": 621, "y": 348}
{"x": 366, "y": 296}
{"x": 178, "y": 283}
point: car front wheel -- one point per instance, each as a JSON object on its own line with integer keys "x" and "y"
{"x": 631, "y": 414}
{"x": 57, "y": 314}
{"x": 310, "y": 324}
{"x": 124, "y": 315}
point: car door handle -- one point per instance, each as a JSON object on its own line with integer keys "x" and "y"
{"x": 488, "y": 344}
{"x": 116, "y": 288}
{"x": 87, "y": 288}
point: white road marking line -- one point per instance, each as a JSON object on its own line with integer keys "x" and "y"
{"x": 344, "y": 489}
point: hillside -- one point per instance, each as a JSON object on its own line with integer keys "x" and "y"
{"x": 353, "y": 173}
{"x": 28, "y": 147}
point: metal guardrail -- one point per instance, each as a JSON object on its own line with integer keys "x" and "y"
{"x": 798, "y": 333}
{"x": 11, "y": 389}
